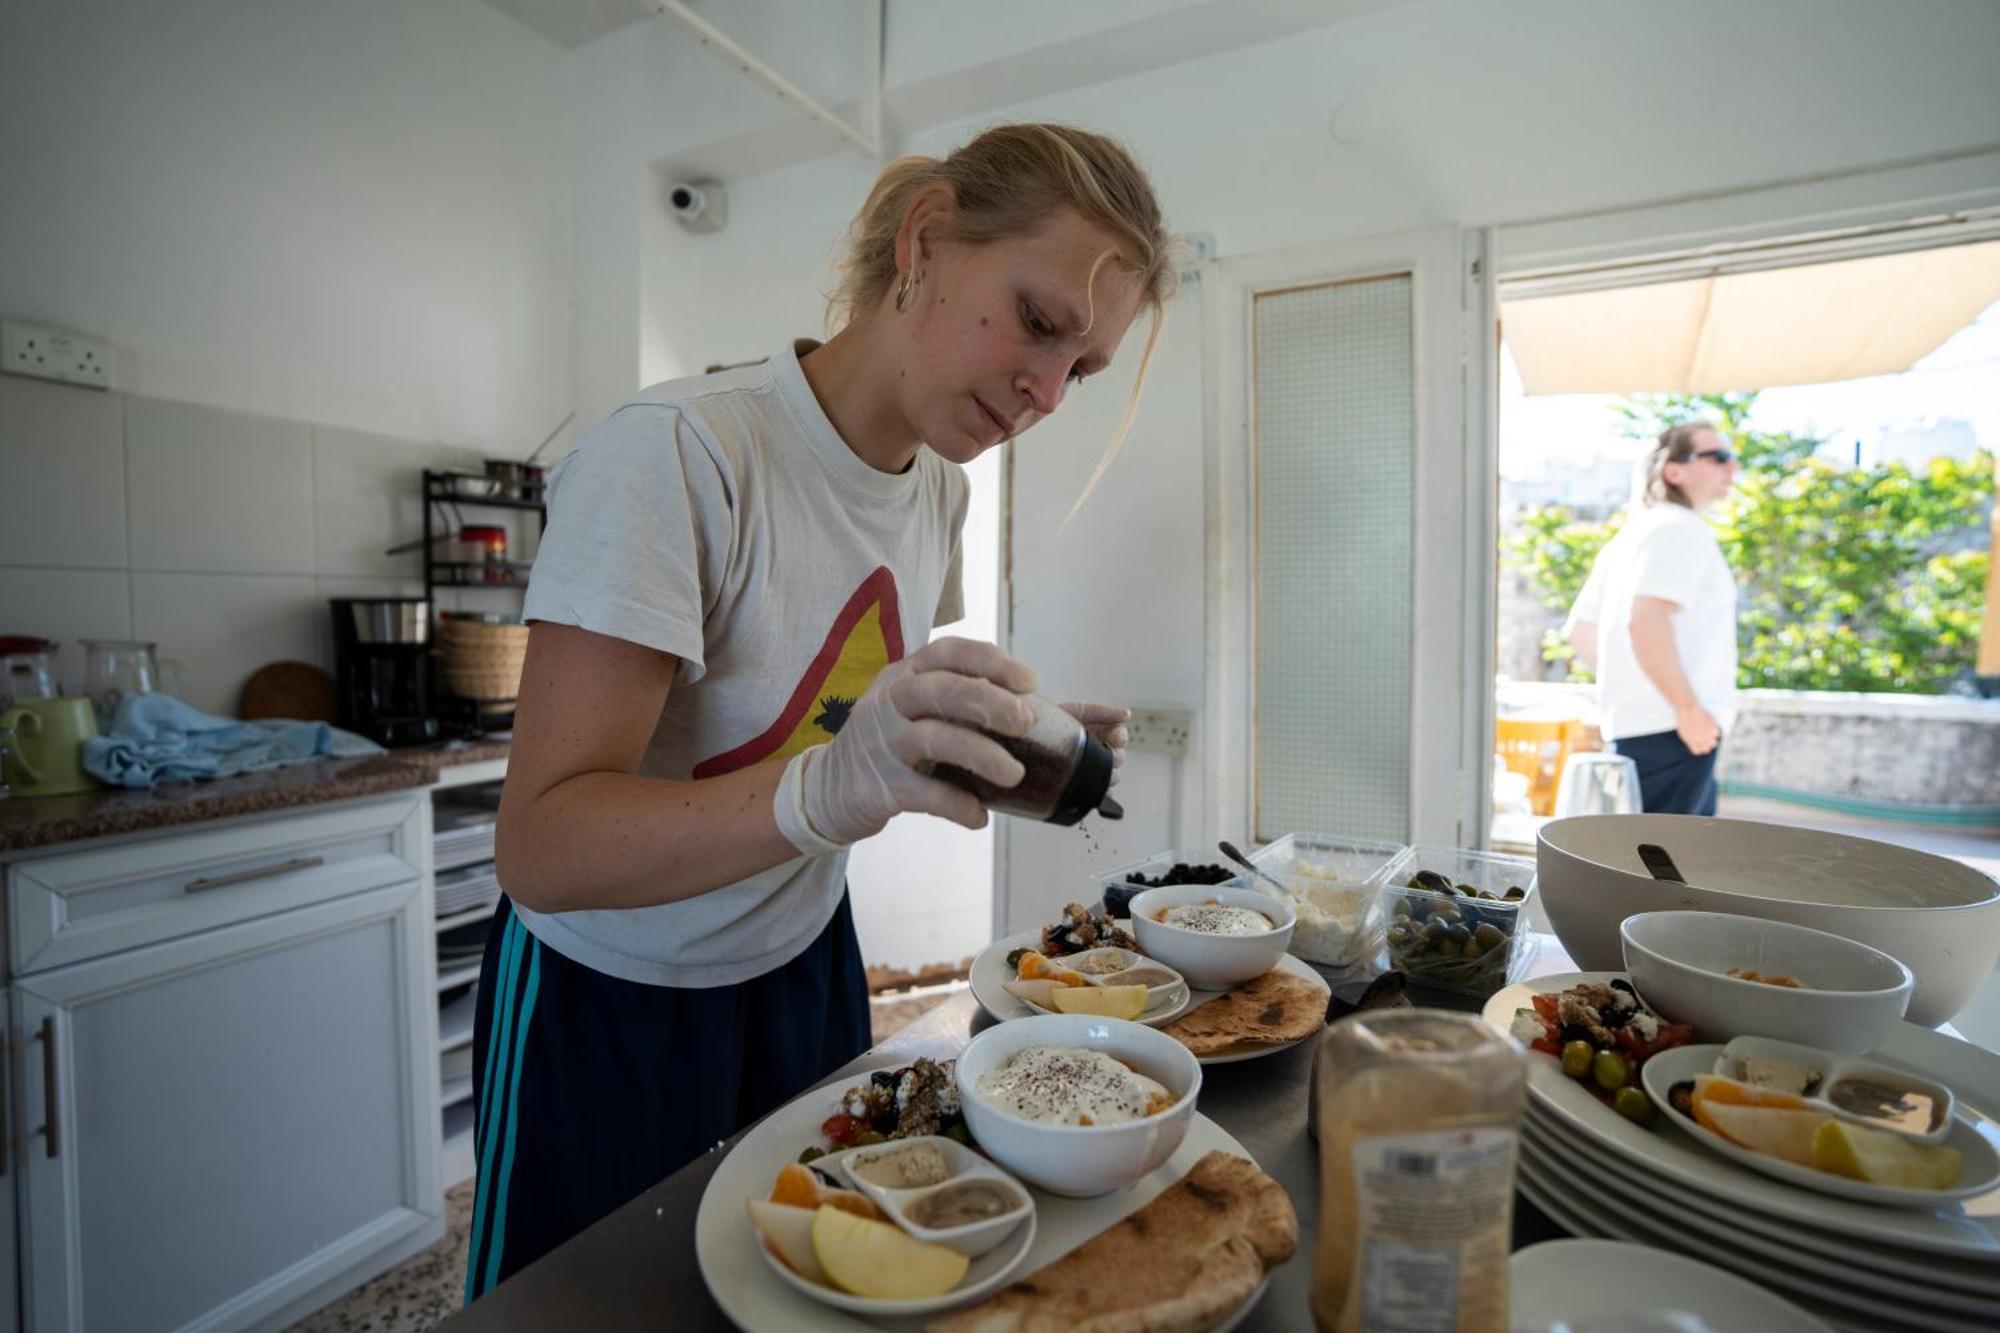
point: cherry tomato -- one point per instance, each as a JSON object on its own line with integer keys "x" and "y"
{"x": 841, "y": 1130}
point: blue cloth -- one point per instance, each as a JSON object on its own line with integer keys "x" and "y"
{"x": 156, "y": 738}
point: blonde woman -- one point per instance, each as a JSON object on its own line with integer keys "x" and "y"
{"x": 727, "y": 681}
{"x": 1656, "y": 620}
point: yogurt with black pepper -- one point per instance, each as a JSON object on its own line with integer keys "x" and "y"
{"x": 1215, "y": 919}
{"x": 1072, "y": 1085}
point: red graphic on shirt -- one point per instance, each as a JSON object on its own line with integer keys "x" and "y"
{"x": 866, "y": 636}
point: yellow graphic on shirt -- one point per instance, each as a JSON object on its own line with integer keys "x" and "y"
{"x": 867, "y": 635}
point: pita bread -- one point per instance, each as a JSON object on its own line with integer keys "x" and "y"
{"x": 1182, "y": 1263}
{"x": 1271, "y": 1010}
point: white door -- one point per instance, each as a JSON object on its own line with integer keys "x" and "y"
{"x": 212, "y": 1127}
{"x": 1350, "y": 582}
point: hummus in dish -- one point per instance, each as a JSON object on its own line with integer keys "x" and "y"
{"x": 1072, "y": 1085}
{"x": 1214, "y": 919}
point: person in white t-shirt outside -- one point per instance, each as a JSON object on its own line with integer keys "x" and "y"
{"x": 1656, "y": 621}
{"x": 728, "y": 682}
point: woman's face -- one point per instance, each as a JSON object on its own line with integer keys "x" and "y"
{"x": 996, "y": 335}
{"x": 1704, "y": 478}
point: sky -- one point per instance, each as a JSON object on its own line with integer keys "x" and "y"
{"x": 1959, "y": 381}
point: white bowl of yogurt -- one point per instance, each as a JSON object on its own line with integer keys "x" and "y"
{"x": 1028, "y": 1086}
{"x": 1212, "y": 934}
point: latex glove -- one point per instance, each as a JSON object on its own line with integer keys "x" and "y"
{"x": 1107, "y": 723}
{"x": 921, "y": 710}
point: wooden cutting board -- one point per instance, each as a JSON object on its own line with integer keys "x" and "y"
{"x": 287, "y": 689}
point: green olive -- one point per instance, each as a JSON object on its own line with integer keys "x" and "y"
{"x": 1576, "y": 1058}
{"x": 1472, "y": 948}
{"x": 811, "y": 1154}
{"x": 958, "y": 1133}
{"x": 869, "y": 1136}
{"x": 1460, "y": 933}
{"x": 1610, "y": 1070}
{"x": 1634, "y": 1105}
{"x": 1448, "y": 948}
{"x": 1490, "y": 935}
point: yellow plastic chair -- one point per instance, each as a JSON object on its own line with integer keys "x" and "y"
{"x": 1537, "y": 751}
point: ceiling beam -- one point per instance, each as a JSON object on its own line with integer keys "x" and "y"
{"x": 868, "y": 142}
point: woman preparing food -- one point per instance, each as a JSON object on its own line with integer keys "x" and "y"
{"x": 727, "y": 683}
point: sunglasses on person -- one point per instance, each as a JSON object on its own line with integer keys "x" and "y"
{"x": 1721, "y": 456}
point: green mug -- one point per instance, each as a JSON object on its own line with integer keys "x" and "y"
{"x": 45, "y": 757}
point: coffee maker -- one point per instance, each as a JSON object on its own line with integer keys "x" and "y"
{"x": 382, "y": 661}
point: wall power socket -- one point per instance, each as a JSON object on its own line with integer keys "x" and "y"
{"x": 1165, "y": 731}
{"x": 54, "y": 354}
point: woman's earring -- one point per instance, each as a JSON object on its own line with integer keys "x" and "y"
{"x": 904, "y": 292}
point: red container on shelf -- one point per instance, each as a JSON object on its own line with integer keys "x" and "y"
{"x": 485, "y": 545}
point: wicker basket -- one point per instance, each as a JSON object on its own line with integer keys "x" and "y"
{"x": 482, "y": 661}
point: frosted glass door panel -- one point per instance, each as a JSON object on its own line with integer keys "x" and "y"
{"x": 1334, "y": 430}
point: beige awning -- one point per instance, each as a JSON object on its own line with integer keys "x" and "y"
{"x": 1738, "y": 331}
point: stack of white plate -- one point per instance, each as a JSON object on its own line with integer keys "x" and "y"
{"x": 1857, "y": 1265}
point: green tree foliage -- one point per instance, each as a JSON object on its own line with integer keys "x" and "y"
{"x": 1849, "y": 578}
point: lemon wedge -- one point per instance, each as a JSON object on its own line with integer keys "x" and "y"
{"x": 876, "y": 1260}
{"x": 1883, "y": 1159}
{"x": 1100, "y": 1001}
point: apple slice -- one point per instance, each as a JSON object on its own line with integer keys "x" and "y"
{"x": 1039, "y": 993}
{"x": 874, "y": 1259}
{"x": 788, "y": 1231}
{"x": 1786, "y": 1135}
{"x": 1884, "y": 1159}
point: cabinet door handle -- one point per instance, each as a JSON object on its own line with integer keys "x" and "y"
{"x": 261, "y": 872}
{"x": 51, "y": 1099}
{"x": 6, "y": 1107}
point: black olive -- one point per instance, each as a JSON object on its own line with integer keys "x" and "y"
{"x": 1681, "y": 1097}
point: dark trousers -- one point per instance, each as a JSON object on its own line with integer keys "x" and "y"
{"x": 591, "y": 1089}
{"x": 1673, "y": 780}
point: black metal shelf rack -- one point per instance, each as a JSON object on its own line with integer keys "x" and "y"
{"x": 459, "y": 490}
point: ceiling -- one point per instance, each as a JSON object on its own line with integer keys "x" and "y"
{"x": 572, "y": 23}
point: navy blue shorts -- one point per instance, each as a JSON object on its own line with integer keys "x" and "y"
{"x": 1673, "y": 780}
{"x": 591, "y": 1089}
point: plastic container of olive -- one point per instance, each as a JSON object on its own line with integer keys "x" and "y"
{"x": 1459, "y": 941}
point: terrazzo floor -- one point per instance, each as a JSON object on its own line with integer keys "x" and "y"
{"x": 415, "y": 1296}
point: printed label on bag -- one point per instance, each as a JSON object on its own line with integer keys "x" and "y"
{"x": 1432, "y": 1212}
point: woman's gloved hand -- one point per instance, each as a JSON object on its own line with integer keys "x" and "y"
{"x": 1107, "y": 723}
{"x": 928, "y": 708}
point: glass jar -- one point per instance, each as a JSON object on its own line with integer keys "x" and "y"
{"x": 114, "y": 668}
{"x": 1068, "y": 771}
{"x": 27, "y": 669}
{"x": 1419, "y": 1114}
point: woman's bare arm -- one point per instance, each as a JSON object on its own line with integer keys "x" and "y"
{"x": 579, "y": 827}
{"x": 1653, "y": 645}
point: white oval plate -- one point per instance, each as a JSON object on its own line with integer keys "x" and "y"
{"x": 1917, "y": 1281}
{"x": 1978, "y": 1173}
{"x": 1968, "y": 1229}
{"x": 1576, "y": 1280}
{"x": 1845, "y": 1305}
{"x": 990, "y": 975}
{"x": 754, "y": 1295}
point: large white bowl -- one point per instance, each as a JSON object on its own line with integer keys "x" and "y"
{"x": 1938, "y": 917}
{"x": 1850, "y": 997}
{"x": 1212, "y": 962}
{"x": 1079, "y": 1161}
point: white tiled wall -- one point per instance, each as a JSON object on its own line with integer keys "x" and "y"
{"x": 217, "y": 534}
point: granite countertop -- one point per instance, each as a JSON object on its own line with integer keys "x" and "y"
{"x": 44, "y": 821}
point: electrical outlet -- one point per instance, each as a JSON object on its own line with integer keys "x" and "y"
{"x": 54, "y": 354}
{"x": 1160, "y": 731}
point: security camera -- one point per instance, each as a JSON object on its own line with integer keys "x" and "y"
{"x": 698, "y": 205}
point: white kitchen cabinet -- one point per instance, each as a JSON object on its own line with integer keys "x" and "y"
{"x": 215, "y": 1128}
